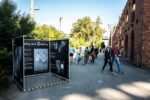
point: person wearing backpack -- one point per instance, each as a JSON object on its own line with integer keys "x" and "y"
{"x": 86, "y": 55}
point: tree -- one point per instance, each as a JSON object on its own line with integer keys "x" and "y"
{"x": 82, "y": 28}
{"x": 86, "y": 32}
{"x": 44, "y": 32}
{"x": 25, "y": 25}
{"x": 12, "y": 23}
{"x": 4, "y": 66}
{"x": 98, "y": 32}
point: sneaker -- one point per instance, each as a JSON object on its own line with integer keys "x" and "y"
{"x": 121, "y": 72}
{"x": 113, "y": 73}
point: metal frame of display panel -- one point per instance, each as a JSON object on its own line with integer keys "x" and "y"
{"x": 49, "y": 57}
{"x": 69, "y": 59}
{"x": 23, "y": 66}
{"x": 18, "y": 84}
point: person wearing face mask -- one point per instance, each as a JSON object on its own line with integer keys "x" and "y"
{"x": 107, "y": 59}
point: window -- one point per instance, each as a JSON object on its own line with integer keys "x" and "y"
{"x": 137, "y": 21}
{"x": 132, "y": 16}
{"x": 133, "y": 2}
{"x": 127, "y": 18}
{"x": 120, "y": 30}
{"x": 129, "y": 3}
{"x": 133, "y": 5}
{"x": 127, "y": 12}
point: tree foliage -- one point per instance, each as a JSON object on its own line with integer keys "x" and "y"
{"x": 12, "y": 23}
{"x": 4, "y": 66}
{"x": 85, "y": 32}
{"x": 44, "y": 32}
{"x": 25, "y": 25}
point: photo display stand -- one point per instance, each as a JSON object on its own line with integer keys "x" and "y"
{"x": 60, "y": 51}
{"x": 38, "y": 63}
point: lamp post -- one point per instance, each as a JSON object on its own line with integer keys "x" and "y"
{"x": 60, "y": 19}
{"x": 93, "y": 33}
{"x": 111, "y": 28}
{"x": 32, "y": 9}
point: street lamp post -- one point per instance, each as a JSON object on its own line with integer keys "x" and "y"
{"x": 92, "y": 37}
{"x": 111, "y": 31}
{"x": 60, "y": 19}
{"x": 93, "y": 34}
{"x": 32, "y": 9}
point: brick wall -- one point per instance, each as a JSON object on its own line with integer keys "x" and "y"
{"x": 137, "y": 29}
{"x": 138, "y": 24}
{"x": 146, "y": 35}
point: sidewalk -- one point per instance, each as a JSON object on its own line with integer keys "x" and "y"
{"x": 87, "y": 83}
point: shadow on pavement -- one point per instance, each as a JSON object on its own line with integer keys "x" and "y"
{"x": 88, "y": 83}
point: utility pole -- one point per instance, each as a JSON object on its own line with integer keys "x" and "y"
{"x": 93, "y": 33}
{"x": 32, "y": 9}
{"x": 111, "y": 28}
{"x": 60, "y": 19}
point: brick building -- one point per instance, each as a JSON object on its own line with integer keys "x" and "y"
{"x": 133, "y": 32}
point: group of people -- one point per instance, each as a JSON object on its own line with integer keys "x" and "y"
{"x": 90, "y": 53}
{"x": 76, "y": 55}
{"x": 112, "y": 54}
{"x": 83, "y": 55}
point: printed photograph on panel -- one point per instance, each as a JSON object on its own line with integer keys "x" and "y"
{"x": 18, "y": 64}
{"x": 40, "y": 59}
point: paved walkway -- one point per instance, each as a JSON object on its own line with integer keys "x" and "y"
{"x": 87, "y": 83}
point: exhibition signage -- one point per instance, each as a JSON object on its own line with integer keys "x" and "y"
{"x": 34, "y": 57}
{"x": 59, "y": 58}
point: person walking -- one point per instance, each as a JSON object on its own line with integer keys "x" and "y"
{"x": 78, "y": 55}
{"x": 107, "y": 59}
{"x": 86, "y": 55}
{"x": 71, "y": 53}
{"x": 115, "y": 57}
{"x": 92, "y": 53}
{"x": 96, "y": 52}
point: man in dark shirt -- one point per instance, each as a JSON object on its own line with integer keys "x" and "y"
{"x": 107, "y": 59}
{"x": 92, "y": 54}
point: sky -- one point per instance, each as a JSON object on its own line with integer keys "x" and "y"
{"x": 71, "y": 10}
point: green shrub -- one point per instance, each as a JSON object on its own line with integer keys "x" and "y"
{"x": 5, "y": 69}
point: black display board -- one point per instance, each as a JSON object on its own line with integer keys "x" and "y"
{"x": 36, "y": 56}
{"x": 59, "y": 58}
{"x": 32, "y": 57}
{"x": 18, "y": 60}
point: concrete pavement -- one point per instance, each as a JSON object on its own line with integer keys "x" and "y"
{"x": 87, "y": 83}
